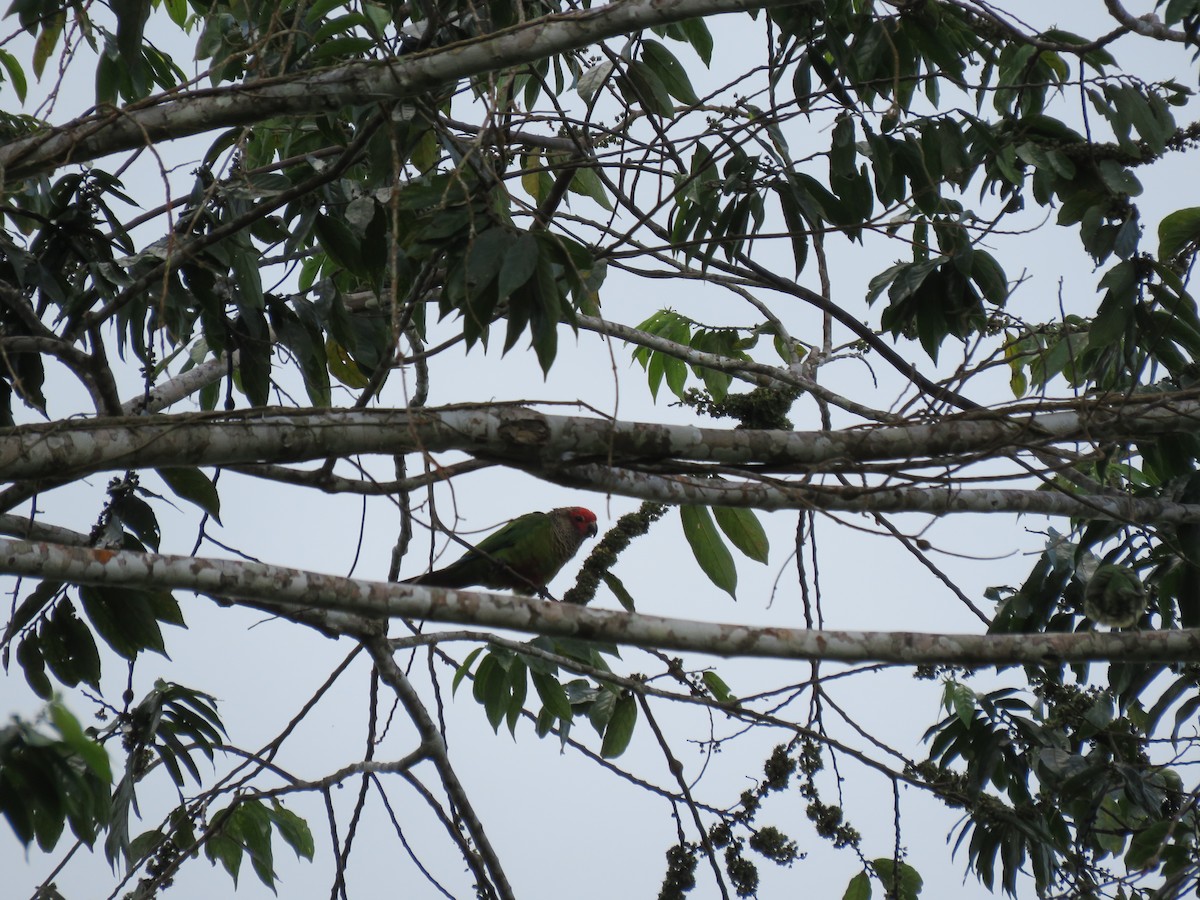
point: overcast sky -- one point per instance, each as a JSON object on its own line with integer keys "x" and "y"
{"x": 564, "y": 827}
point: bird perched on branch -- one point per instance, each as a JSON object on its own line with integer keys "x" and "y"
{"x": 523, "y": 556}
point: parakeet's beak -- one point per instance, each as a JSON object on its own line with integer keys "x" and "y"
{"x": 593, "y": 530}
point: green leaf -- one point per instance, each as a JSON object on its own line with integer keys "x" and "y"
{"x": 492, "y": 689}
{"x": 698, "y": 35}
{"x": 553, "y": 697}
{"x": 15, "y": 74}
{"x": 619, "y": 591}
{"x": 178, "y": 11}
{"x": 485, "y": 256}
{"x": 1146, "y": 844}
{"x": 904, "y": 884}
{"x": 251, "y": 335}
{"x": 254, "y": 826}
{"x": 641, "y": 84}
{"x": 710, "y": 551}
{"x": 520, "y": 262}
{"x": 145, "y": 844}
{"x": 339, "y": 242}
{"x": 43, "y": 47}
{"x": 1176, "y": 231}
{"x": 31, "y": 606}
{"x": 343, "y": 367}
{"x": 124, "y": 617}
{"x": 190, "y": 484}
{"x": 590, "y": 82}
{"x": 93, "y": 754}
{"x": 716, "y": 684}
{"x": 137, "y": 515}
{"x": 670, "y": 71}
{"x": 744, "y": 531}
{"x": 293, "y": 829}
{"x": 224, "y": 847}
{"x": 487, "y": 670}
{"x": 244, "y": 261}
{"x": 33, "y": 664}
{"x": 797, "y": 228}
{"x": 461, "y": 672}
{"x": 620, "y": 727}
{"x": 676, "y": 372}
{"x": 960, "y": 700}
{"x": 989, "y": 276}
{"x": 1119, "y": 179}
{"x": 859, "y": 888}
{"x": 587, "y": 183}
{"x": 518, "y": 685}
{"x": 68, "y": 647}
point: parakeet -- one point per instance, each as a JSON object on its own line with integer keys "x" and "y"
{"x": 522, "y": 556}
{"x": 1114, "y": 596}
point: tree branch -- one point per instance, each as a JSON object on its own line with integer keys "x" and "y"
{"x": 169, "y": 116}
{"x": 284, "y": 590}
{"x": 776, "y": 494}
{"x": 516, "y": 432}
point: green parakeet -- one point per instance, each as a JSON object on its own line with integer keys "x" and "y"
{"x": 523, "y": 556}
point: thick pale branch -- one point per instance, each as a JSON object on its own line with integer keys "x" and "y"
{"x": 568, "y": 449}
{"x": 518, "y": 433}
{"x": 184, "y": 385}
{"x": 284, "y": 589}
{"x": 334, "y": 89}
{"x": 773, "y": 495}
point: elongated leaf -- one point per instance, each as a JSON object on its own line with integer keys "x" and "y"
{"x": 189, "y": 483}
{"x": 520, "y": 262}
{"x": 552, "y": 695}
{"x": 593, "y": 79}
{"x": 485, "y": 257}
{"x": 46, "y": 42}
{"x": 620, "y": 727}
{"x": 464, "y": 668}
{"x": 710, "y": 551}
{"x": 518, "y": 682}
{"x": 744, "y": 531}
{"x": 339, "y": 242}
{"x": 619, "y": 591}
{"x": 717, "y": 685}
{"x": 293, "y": 829}
{"x": 37, "y": 600}
{"x": 641, "y": 84}
{"x": 698, "y": 35}
{"x": 669, "y": 71}
{"x": 138, "y": 516}
{"x": 15, "y": 74}
{"x": 33, "y": 664}
{"x": 124, "y": 617}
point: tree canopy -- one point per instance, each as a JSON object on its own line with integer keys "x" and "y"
{"x": 298, "y": 300}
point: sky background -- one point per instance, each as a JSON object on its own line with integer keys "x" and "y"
{"x": 562, "y": 826}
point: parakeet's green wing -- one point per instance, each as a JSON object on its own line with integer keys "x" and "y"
{"x": 486, "y": 563}
{"x": 522, "y": 556}
{"x": 514, "y": 534}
